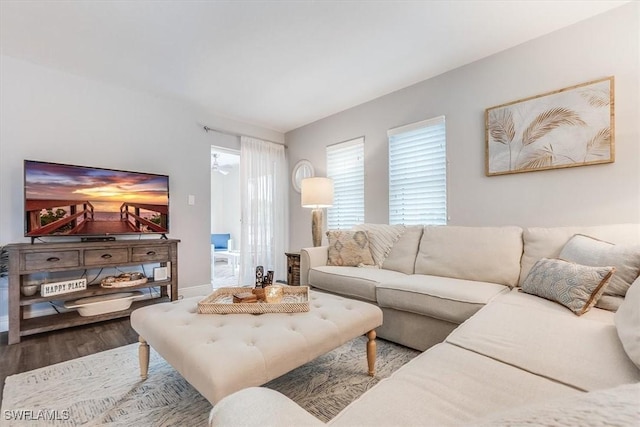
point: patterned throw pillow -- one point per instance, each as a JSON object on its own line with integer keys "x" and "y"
{"x": 381, "y": 239}
{"x": 349, "y": 248}
{"x": 575, "y": 286}
{"x": 586, "y": 250}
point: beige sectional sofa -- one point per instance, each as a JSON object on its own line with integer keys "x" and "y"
{"x": 495, "y": 355}
{"x": 431, "y": 280}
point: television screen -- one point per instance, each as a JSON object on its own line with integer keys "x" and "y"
{"x": 85, "y": 201}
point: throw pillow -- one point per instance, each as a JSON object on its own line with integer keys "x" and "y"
{"x": 381, "y": 239}
{"x": 349, "y": 248}
{"x": 587, "y": 250}
{"x": 402, "y": 256}
{"x": 627, "y": 321}
{"x": 575, "y": 286}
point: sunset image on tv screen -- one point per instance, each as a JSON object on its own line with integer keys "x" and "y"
{"x": 76, "y": 200}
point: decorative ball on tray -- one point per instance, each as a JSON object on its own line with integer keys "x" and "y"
{"x": 273, "y": 293}
{"x": 123, "y": 280}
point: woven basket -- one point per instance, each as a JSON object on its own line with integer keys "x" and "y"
{"x": 123, "y": 284}
{"x": 295, "y": 300}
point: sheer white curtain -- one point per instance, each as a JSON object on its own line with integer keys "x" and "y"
{"x": 265, "y": 208}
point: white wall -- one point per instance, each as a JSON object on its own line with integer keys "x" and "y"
{"x": 54, "y": 116}
{"x": 602, "y": 46}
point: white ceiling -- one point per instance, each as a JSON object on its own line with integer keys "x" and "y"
{"x": 276, "y": 64}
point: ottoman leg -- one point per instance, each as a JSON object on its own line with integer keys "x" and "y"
{"x": 371, "y": 352}
{"x": 143, "y": 356}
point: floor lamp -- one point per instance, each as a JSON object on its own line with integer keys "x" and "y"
{"x": 317, "y": 193}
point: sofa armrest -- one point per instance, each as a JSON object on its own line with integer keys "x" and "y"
{"x": 309, "y": 258}
{"x": 259, "y": 407}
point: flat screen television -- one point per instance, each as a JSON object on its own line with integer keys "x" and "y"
{"x": 68, "y": 200}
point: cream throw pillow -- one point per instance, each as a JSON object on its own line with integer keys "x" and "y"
{"x": 627, "y": 320}
{"x": 575, "y": 286}
{"x": 349, "y": 248}
{"x": 587, "y": 250}
{"x": 402, "y": 256}
{"x": 381, "y": 238}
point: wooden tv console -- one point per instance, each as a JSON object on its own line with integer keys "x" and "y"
{"x": 29, "y": 259}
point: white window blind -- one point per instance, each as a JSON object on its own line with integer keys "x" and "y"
{"x": 345, "y": 165}
{"x": 418, "y": 173}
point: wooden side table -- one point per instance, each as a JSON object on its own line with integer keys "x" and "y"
{"x": 293, "y": 268}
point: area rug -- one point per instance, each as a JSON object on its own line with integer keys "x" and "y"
{"x": 105, "y": 388}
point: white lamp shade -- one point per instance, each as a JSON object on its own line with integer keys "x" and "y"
{"x": 317, "y": 192}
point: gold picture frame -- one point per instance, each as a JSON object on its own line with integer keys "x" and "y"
{"x": 565, "y": 128}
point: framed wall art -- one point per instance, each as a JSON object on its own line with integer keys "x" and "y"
{"x": 569, "y": 127}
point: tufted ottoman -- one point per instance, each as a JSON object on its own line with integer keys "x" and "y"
{"x": 219, "y": 354}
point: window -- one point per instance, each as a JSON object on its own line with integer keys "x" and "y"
{"x": 418, "y": 173}
{"x": 345, "y": 165}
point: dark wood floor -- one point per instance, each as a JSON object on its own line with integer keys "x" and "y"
{"x": 45, "y": 349}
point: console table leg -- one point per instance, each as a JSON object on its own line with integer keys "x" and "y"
{"x": 371, "y": 352}
{"x": 143, "y": 356}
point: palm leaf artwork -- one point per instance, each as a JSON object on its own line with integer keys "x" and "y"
{"x": 568, "y": 127}
{"x": 600, "y": 145}
{"x": 548, "y": 121}
{"x": 501, "y": 126}
{"x": 539, "y": 159}
{"x": 596, "y": 97}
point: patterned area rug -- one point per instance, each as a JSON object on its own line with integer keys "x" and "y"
{"x": 105, "y": 388}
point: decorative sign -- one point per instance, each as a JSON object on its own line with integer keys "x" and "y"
{"x": 48, "y": 289}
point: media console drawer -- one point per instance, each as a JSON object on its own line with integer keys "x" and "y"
{"x": 106, "y": 256}
{"x": 35, "y": 261}
{"x": 150, "y": 254}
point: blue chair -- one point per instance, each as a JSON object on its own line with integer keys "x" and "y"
{"x": 220, "y": 242}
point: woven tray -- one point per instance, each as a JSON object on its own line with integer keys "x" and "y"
{"x": 295, "y": 300}
{"x": 123, "y": 283}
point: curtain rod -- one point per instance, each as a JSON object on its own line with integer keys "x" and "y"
{"x": 207, "y": 129}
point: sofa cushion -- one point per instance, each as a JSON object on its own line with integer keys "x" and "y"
{"x": 541, "y": 242}
{"x": 382, "y": 237}
{"x": 618, "y": 406}
{"x": 353, "y": 282}
{"x": 402, "y": 256}
{"x": 609, "y": 302}
{"x": 453, "y": 300}
{"x": 544, "y": 338}
{"x": 349, "y": 248}
{"x": 485, "y": 254}
{"x": 627, "y": 321}
{"x": 586, "y": 250}
{"x": 575, "y": 286}
{"x": 447, "y": 385}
